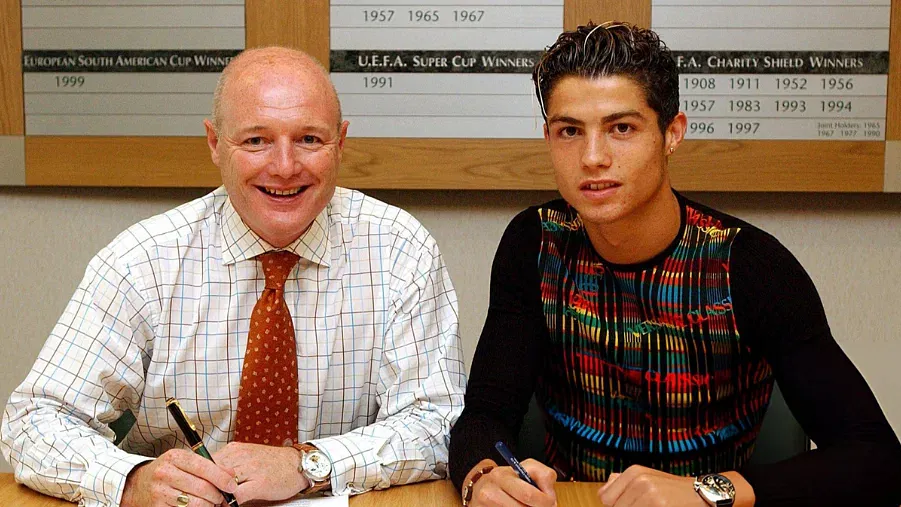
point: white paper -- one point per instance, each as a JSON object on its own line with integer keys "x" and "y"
{"x": 319, "y": 501}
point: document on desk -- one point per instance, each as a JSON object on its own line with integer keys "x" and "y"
{"x": 319, "y": 501}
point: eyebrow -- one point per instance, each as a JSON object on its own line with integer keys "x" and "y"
{"x": 316, "y": 129}
{"x": 607, "y": 119}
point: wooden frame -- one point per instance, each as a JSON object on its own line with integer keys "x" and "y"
{"x": 893, "y": 102}
{"x": 12, "y": 110}
{"x": 302, "y": 25}
{"x": 821, "y": 166}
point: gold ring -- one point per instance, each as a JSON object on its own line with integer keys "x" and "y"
{"x": 182, "y": 500}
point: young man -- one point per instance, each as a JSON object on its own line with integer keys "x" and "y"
{"x": 280, "y": 311}
{"x": 651, "y": 328}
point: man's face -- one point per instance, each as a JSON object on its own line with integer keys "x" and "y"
{"x": 278, "y": 147}
{"x": 607, "y": 150}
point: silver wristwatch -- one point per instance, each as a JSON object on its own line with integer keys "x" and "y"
{"x": 316, "y": 466}
{"x": 716, "y": 490}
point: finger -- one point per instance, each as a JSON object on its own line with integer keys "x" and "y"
{"x": 183, "y": 482}
{"x": 255, "y": 490}
{"x": 489, "y": 493}
{"x": 639, "y": 493}
{"x": 611, "y": 492}
{"x": 221, "y": 478}
{"x": 170, "y": 497}
{"x": 523, "y": 492}
{"x": 610, "y": 479}
{"x": 228, "y": 454}
{"x": 235, "y": 453}
{"x": 544, "y": 476}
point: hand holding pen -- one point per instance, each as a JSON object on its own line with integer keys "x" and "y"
{"x": 177, "y": 477}
{"x": 514, "y": 463}
{"x": 528, "y": 483}
{"x": 196, "y": 444}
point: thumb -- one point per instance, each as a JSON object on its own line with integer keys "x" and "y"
{"x": 610, "y": 480}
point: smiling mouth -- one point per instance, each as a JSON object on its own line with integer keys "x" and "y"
{"x": 600, "y": 186}
{"x": 278, "y": 192}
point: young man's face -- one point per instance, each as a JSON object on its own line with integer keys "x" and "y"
{"x": 608, "y": 153}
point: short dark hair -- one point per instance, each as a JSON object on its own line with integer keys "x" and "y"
{"x": 613, "y": 49}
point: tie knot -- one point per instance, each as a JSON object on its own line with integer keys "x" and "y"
{"x": 276, "y": 266}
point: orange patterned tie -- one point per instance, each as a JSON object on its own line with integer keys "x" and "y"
{"x": 267, "y": 398}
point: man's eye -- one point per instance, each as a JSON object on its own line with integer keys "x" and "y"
{"x": 569, "y": 131}
{"x": 308, "y": 139}
{"x": 254, "y": 141}
{"x": 622, "y": 128}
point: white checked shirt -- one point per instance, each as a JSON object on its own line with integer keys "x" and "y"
{"x": 164, "y": 311}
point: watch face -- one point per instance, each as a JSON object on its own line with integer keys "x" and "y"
{"x": 316, "y": 465}
{"x": 715, "y": 487}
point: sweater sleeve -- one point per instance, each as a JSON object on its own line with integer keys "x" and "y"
{"x": 508, "y": 356}
{"x": 858, "y": 456}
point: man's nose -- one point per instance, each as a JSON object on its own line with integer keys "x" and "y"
{"x": 286, "y": 162}
{"x": 597, "y": 151}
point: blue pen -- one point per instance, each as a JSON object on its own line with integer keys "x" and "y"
{"x": 513, "y": 462}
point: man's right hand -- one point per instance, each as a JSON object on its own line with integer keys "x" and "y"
{"x": 178, "y": 471}
{"x": 502, "y": 487}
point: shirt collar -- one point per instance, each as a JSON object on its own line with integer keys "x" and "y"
{"x": 240, "y": 243}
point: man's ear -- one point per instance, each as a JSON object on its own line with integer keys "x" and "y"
{"x": 547, "y": 133}
{"x": 675, "y": 133}
{"x": 342, "y": 133}
{"x": 212, "y": 140}
{"x": 342, "y": 136}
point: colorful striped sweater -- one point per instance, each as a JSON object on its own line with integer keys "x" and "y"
{"x": 646, "y": 363}
{"x": 670, "y": 363}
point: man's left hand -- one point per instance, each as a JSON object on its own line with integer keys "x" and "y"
{"x": 639, "y": 486}
{"x": 263, "y": 472}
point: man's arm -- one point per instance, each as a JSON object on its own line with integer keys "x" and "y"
{"x": 89, "y": 371}
{"x": 421, "y": 379}
{"x": 509, "y": 354}
{"x": 858, "y": 458}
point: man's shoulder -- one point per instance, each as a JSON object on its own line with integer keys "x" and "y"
{"x": 175, "y": 226}
{"x": 703, "y": 215}
{"x": 553, "y": 216}
{"x": 352, "y": 208}
{"x": 751, "y": 245}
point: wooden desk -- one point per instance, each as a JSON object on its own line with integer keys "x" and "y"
{"x": 426, "y": 494}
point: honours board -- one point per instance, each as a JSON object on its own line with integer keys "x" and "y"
{"x": 780, "y": 69}
{"x": 114, "y": 68}
{"x": 781, "y": 95}
{"x": 450, "y": 68}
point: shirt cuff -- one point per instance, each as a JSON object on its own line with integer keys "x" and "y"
{"x": 104, "y": 481}
{"x": 356, "y": 466}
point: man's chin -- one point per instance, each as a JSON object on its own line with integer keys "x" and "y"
{"x": 283, "y": 234}
{"x": 598, "y": 215}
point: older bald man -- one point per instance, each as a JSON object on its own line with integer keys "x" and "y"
{"x": 277, "y": 300}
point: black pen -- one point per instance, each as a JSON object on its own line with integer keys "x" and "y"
{"x": 513, "y": 462}
{"x": 194, "y": 439}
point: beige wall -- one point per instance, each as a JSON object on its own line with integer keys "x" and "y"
{"x": 848, "y": 243}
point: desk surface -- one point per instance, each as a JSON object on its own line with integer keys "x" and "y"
{"x": 427, "y": 494}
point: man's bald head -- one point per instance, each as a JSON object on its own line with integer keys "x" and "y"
{"x": 257, "y": 60}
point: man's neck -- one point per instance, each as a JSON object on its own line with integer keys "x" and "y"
{"x": 640, "y": 236}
